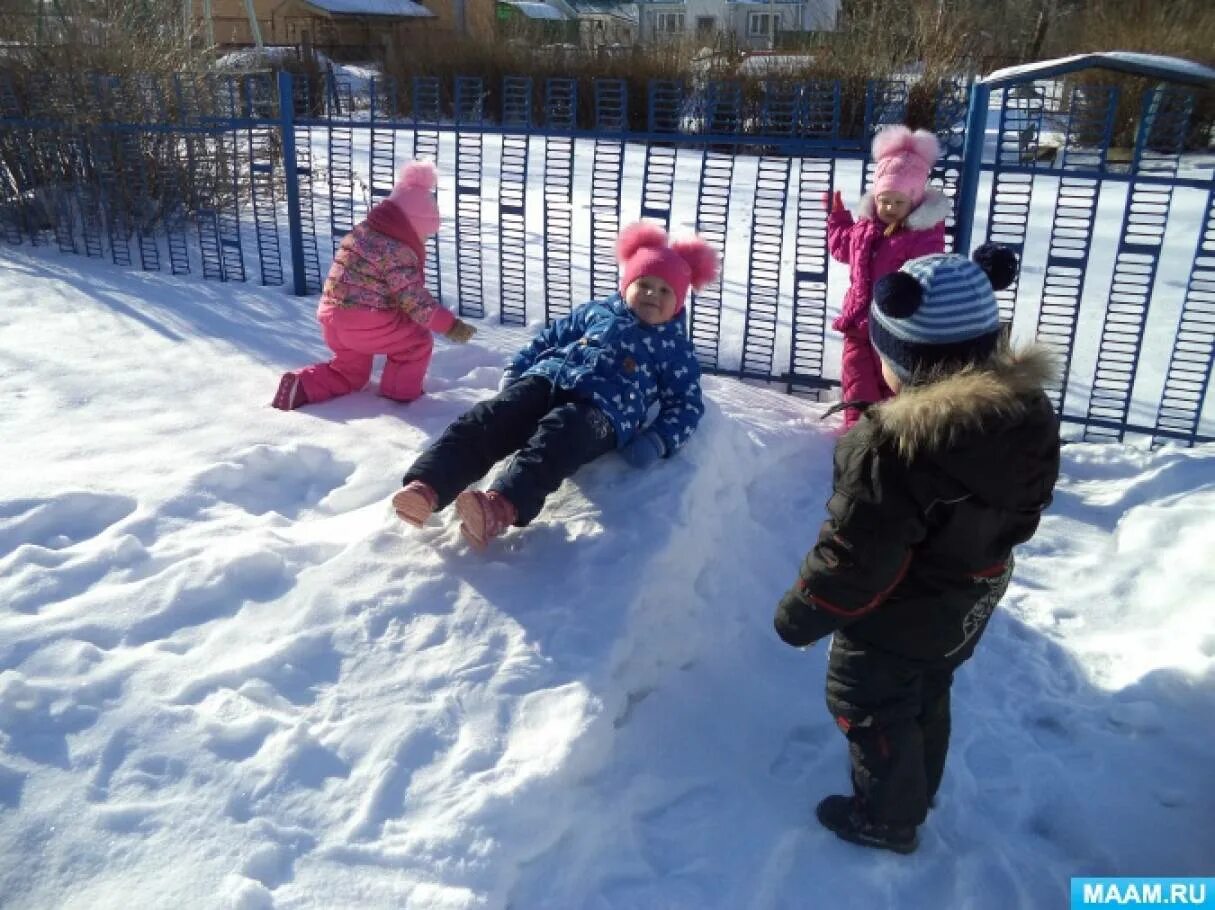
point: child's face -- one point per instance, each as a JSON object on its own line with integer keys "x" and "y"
{"x": 892, "y": 207}
{"x": 651, "y": 299}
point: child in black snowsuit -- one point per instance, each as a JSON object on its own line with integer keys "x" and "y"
{"x": 932, "y": 490}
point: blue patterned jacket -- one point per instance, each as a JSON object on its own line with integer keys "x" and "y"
{"x": 604, "y": 352}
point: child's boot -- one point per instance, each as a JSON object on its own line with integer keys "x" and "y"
{"x": 845, "y": 817}
{"x": 415, "y": 503}
{"x": 483, "y": 516}
{"x": 290, "y": 394}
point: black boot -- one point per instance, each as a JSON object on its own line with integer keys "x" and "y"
{"x": 843, "y": 815}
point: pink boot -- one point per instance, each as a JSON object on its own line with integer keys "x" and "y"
{"x": 290, "y": 394}
{"x": 483, "y": 516}
{"x": 415, "y": 503}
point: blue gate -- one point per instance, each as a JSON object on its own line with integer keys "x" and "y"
{"x": 1136, "y": 357}
{"x": 1117, "y": 235}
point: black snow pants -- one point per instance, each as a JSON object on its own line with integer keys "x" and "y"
{"x": 895, "y": 713}
{"x": 551, "y": 432}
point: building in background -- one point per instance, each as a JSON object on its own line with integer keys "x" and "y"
{"x": 607, "y": 24}
{"x": 344, "y": 29}
{"x": 756, "y": 24}
{"x": 536, "y": 23}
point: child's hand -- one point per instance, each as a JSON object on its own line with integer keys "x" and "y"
{"x": 790, "y": 622}
{"x": 857, "y": 327}
{"x": 460, "y": 332}
{"x": 833, "y": 203}
{"x": 644, "y": 450}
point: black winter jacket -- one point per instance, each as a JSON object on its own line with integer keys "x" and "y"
{"x": 932, "y": 490}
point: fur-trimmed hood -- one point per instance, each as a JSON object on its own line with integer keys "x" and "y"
{"x": 934, "y": 415}
{"x": 933, "y": 209}
{"x": 916, "y": 551}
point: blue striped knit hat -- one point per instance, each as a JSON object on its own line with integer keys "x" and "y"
{"x": 940, "y": 311}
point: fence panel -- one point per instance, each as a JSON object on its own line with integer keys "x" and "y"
{"x": 470, "y": 163}
{"x": 723, "y": 115}
{"x": 560, "y": 111}
{"x": 1188, "y": 380}
{"x": 1112, "y": 278}
{"x": 512, "y": 200}
{"x": 607, "y": 174}
{"x": 427, "y": 114}
{"x": 820, "y": 114}
{"x": 1164, "y": 123}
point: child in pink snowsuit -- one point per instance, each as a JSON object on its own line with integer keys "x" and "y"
{"x": 375, "y": 302}
{"x": 899, "y": 220}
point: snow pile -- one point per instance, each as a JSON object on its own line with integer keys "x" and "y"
{"x": 230, "y": 678}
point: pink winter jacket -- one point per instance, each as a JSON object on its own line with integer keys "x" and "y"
{"x": 374, "y": 270}
{"x": 870, "y": 254}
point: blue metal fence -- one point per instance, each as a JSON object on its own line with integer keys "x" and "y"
{"x": 208, "y": 169}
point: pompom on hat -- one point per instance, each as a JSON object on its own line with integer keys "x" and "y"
{"x": 414, "y": 196}
{"x": 643, "y": 249}
{"x": 940, "y": 311}
{"x": 903, "y": 161}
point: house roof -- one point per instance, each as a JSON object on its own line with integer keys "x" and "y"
{"x": 395, "y": 8}
{"x": 611, "y": 13}
{"x": 617, "y": 8}
{"x": 533, "y": 9}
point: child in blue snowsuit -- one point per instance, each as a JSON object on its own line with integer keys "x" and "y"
{"x": 582, "y": 388}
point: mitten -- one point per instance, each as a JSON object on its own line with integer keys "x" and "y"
{"x": 460, "y": 332}
{"x": 791, "y": 622}
{"x": 853, "y": 324}
{"x": 644, "y": 450}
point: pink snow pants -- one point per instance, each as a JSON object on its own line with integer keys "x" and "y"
{"x": 861, "y": 375}
{"x": 356, "y": 335}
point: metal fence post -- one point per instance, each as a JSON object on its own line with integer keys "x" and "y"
{"x": 972, "y": 163}
{"x": 286, "y": 120}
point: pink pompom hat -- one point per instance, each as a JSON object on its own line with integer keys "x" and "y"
{"x": 904, "y": 160}
{"x": 643, "y": 249}
{"x": 414, "y": 196}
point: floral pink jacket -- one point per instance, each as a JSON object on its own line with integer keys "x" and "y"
{"x": 871, "y": 254}
{"x": 376, "y": 271}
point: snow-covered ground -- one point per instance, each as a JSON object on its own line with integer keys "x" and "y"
{"x": 230, "y": 678}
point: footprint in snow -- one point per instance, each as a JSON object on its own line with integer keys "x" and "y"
{"x": 61, "y": 522}
{"x": 36, "y": 718}
{"x": 802, "y": 749}
{"x": 668, "y": 834}
{"x": 289, "y": 480}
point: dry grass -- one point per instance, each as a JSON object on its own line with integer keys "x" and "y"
{"x": 116, "y": 37}
{"x": 110, "y": 60}
{"x": 493, "y": 63}
{"x": 1182, "y": 28}
{"x": 852, "y": 58}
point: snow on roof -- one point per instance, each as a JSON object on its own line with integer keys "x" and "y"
{"x": 536, "y": 10}
{"x": 762, "y": 64}
{"x": 252, "y": 59}
{"x": 372, "y": 7}
{"x": 249, "y": 58}
{"x": 613, "y": 8}
{"x": 1170, "y": 68}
